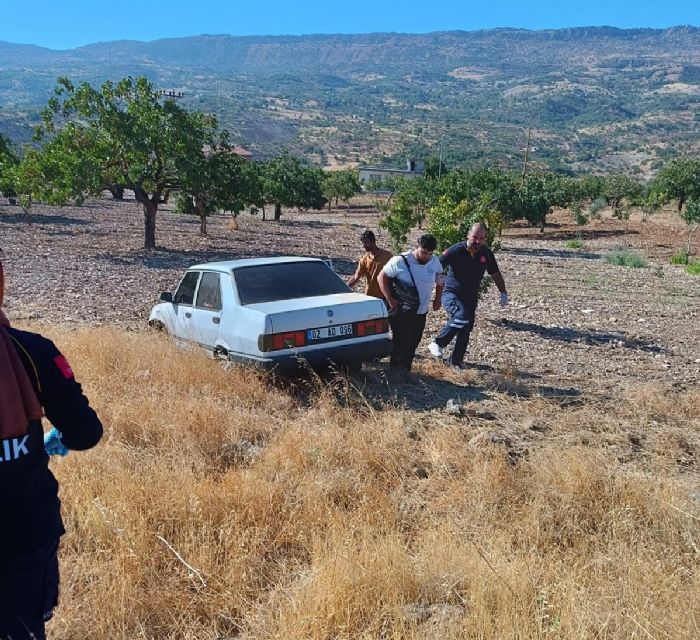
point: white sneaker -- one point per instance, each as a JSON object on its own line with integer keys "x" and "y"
{"x": 435, "y": 349}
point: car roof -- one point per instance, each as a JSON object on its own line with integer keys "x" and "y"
{"x": 229, "y": 265}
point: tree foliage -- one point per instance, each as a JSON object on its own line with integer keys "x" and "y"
{"x": 679, "y": 179}
{"x": 341, "y": 185}
{"x": 126, "y": 134}
{"x": 8, "y": 164}
{"x": 450, "y": 222}
{"x": 691, "y": 216}
{"x": 286, "y": 182}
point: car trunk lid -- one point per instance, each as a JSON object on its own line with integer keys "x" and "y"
{"x": 320, "y": 311}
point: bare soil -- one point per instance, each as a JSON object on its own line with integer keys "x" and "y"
{"x": 575, "y": 323}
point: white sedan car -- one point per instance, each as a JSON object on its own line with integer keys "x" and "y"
{"x": 274, "y": 312}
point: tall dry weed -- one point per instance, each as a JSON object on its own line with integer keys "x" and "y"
{"x": 221, "y": 505}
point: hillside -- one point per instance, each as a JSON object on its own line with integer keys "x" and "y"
{"x": 597, "y": 98}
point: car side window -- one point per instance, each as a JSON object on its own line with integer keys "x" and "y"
{"x": 185, "y": 292}
{"x": 209, "y": 293}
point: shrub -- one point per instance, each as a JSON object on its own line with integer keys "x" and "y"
{"x": 579, "y": 216}
{"x": 596, "y": 207}
{"x": 680, "y": 257}
{"x": 626, "y": 259}
{"x": 573, "y": 244}
{"x": 693, "y": 269}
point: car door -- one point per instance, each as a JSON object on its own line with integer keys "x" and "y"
{"x": 206, "y": 313}
{"x": 183, "y": 303}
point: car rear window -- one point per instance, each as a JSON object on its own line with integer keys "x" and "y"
{"x": 286, "y": 281}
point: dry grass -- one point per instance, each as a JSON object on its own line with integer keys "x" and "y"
{"x": 222, "y": 506}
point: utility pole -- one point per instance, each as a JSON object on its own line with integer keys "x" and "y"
{"x": 440, "y": 158}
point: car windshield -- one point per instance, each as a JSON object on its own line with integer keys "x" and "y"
{"x": 286, "y": 281}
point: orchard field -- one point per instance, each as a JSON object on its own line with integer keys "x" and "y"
{"x": 558, "y": 496}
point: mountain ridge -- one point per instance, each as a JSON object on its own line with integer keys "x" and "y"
{"x": 595, "y": 97}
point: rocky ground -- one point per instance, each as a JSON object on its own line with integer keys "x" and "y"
{"x": 576, "y": 323}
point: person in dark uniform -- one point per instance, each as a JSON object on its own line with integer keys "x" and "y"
{"x": 466, "y": 262}
{"x": 35, "y": 379}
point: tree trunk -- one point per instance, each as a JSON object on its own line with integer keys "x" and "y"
{"x": 263, "y": 210}
{"x": 150, "y": 208}
{"x": 199, "y": 206}
{"x": 149, "y": 218}
{"x": 278, "y": 211}
{"x": 681, "y": 202}
{"x": 691, "y": 232}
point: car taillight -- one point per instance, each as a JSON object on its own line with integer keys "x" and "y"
{"x": 371, "y": 327}
{"x": 278, "y": 341}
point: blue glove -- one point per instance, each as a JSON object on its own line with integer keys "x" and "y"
{"x": 53, "y": 444}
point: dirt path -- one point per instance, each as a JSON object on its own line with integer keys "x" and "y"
{"x": 576, "y": 323}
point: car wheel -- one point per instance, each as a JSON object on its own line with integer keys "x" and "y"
{"x": 220, "y": 353}
{"x": 157, "y": 325}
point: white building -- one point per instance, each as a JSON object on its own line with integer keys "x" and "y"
{"x": 414, "y": 168}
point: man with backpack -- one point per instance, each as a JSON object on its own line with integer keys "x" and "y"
{"x": 407, "y": 282}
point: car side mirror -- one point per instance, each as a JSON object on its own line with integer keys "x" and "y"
{"x": 166, "y": 296}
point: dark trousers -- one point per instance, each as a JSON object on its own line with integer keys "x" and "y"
{"x": 28, "y": 593}
{"x": 407, "y": 330}
{"x": 460, "y": 324}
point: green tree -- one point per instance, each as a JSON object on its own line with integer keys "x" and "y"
{"x": 620, "y": 189}
{"x": 399, "y": 222}
{"x": 691, "y": 216}
{"x": 680, "y": 180}
{"x": 537, "y": 194}
{"x": 417, "y": 194}
{"x": 58, "y": 172}
{"x": 8, "y": 163}
{"x": 215, "y": 179}
{"x": 450, "y": 222}
{"x": 434, "y": 167}
{"x": 308, "y": 193}
{"x": 621, "y": 192}
{"x": 341, "y": 185}
{"x": 127, "y": 134}
{"x": 589, "y": 188}
{"x": 491, "y": 185}
{"x": 279, "y": 178}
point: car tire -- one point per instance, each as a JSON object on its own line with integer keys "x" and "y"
{"x": 157, "y": 325}
{"x": 220, "y": 353}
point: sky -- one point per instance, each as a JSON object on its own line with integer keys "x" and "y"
{"x": 65, "y": 24}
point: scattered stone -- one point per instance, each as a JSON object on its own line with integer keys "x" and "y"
{"x": 435, "y": 614}
{"x": 480, "y": 415}
{"x": 453, "y": 408}
{"x": 411, "y": 432}
{"x": 238, "y": 454}
{"x": 421, "y": 472}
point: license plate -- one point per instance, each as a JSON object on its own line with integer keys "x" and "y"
{"x": 338, "y": 331}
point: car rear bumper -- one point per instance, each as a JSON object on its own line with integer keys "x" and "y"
{"x": 357, "y": 352}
